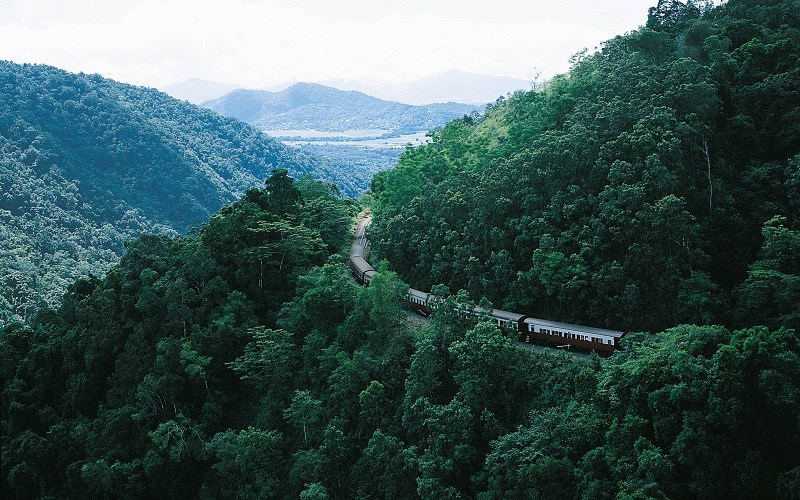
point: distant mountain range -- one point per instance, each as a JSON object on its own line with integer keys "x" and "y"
{"x": 87, "y": 163}
{"x": 317, "y": 107}
{"x": 451, "y": 86}
{"x": 196, "y": 90}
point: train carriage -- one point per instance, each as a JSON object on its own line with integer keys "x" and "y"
{"x": 418, "y": 301}
{"x": 528, "y": 329}
{"x": 508, "y": 321}
{"x": 361, "y": 270}
{"x": 586, "y": 337}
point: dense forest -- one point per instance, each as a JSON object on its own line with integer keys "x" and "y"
{"x": 87, "y": 163}
{"x": 657, "y": 183}
{"x": 367, "y": 161}
{"x": 241, "y": 361}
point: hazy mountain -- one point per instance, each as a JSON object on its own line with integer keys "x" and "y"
{"x": 87, "y": 163}
{"x": 196, "y": 91}
{"x": 451, "y": 86}
{"x": 317, "y": 107}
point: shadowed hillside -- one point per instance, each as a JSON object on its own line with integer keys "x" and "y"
{"x": 87, "y": 163}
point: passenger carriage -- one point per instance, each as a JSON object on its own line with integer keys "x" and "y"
{"x": 530, "y": 330}
{"x": 586, "y": 337}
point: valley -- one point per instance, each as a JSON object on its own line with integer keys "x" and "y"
{"x": 179, "y": 316}
{"x": 351, "y": 133}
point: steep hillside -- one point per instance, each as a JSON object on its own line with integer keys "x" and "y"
{"x": 658, "y": 182}
{"x": 312, "y": 106}
{"x": 241, "y": 360}
{"x": 87, "y": 163}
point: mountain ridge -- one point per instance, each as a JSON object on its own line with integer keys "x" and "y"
{"x": 449, "y": 86}
{"x": 319, "y": 107}
{"x": 87, "y": 163}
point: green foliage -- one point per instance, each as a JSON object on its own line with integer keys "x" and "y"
{"x": 132, "y": 387}
{"x": 248, "y": 465}
{"x": 352, "y": 166}
{"x": 223, "y": 364}
{"x": 771, "y": 293}
{"x": 627, "y": 193}
{"x": 265, "y": 359}
{"x": 87, "y": 164}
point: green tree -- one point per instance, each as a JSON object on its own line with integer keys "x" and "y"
{"x": 304, "y": 414}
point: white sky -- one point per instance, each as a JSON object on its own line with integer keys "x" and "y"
{"x": 264, "y": 42}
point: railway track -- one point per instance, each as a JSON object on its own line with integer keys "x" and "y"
{"x": 538, "y": 334}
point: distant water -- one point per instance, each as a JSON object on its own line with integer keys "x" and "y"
{"x": 308, "y": 133}
{"x": 352, "y": 138}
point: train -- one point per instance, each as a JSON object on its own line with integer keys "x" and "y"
{"x": 526, "y": 328}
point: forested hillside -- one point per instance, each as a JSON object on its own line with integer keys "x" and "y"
{"x": 240, "y": 361}
{"x": 365, "y": 162}
{"x": 88, "y": 163}
{"x": 656, "y": 183}
{"x": 317, "y": 107}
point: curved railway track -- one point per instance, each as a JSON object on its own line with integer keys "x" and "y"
{"x": 528, "y": 329}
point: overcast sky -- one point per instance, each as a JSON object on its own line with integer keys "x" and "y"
{"x": 264, "y": 42}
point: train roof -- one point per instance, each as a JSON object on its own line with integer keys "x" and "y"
{"x": 360, "y": 264}
{"x": 507, "y": 315}
{"x": 417, "y": 293}
{"x": 575, "y": 328}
